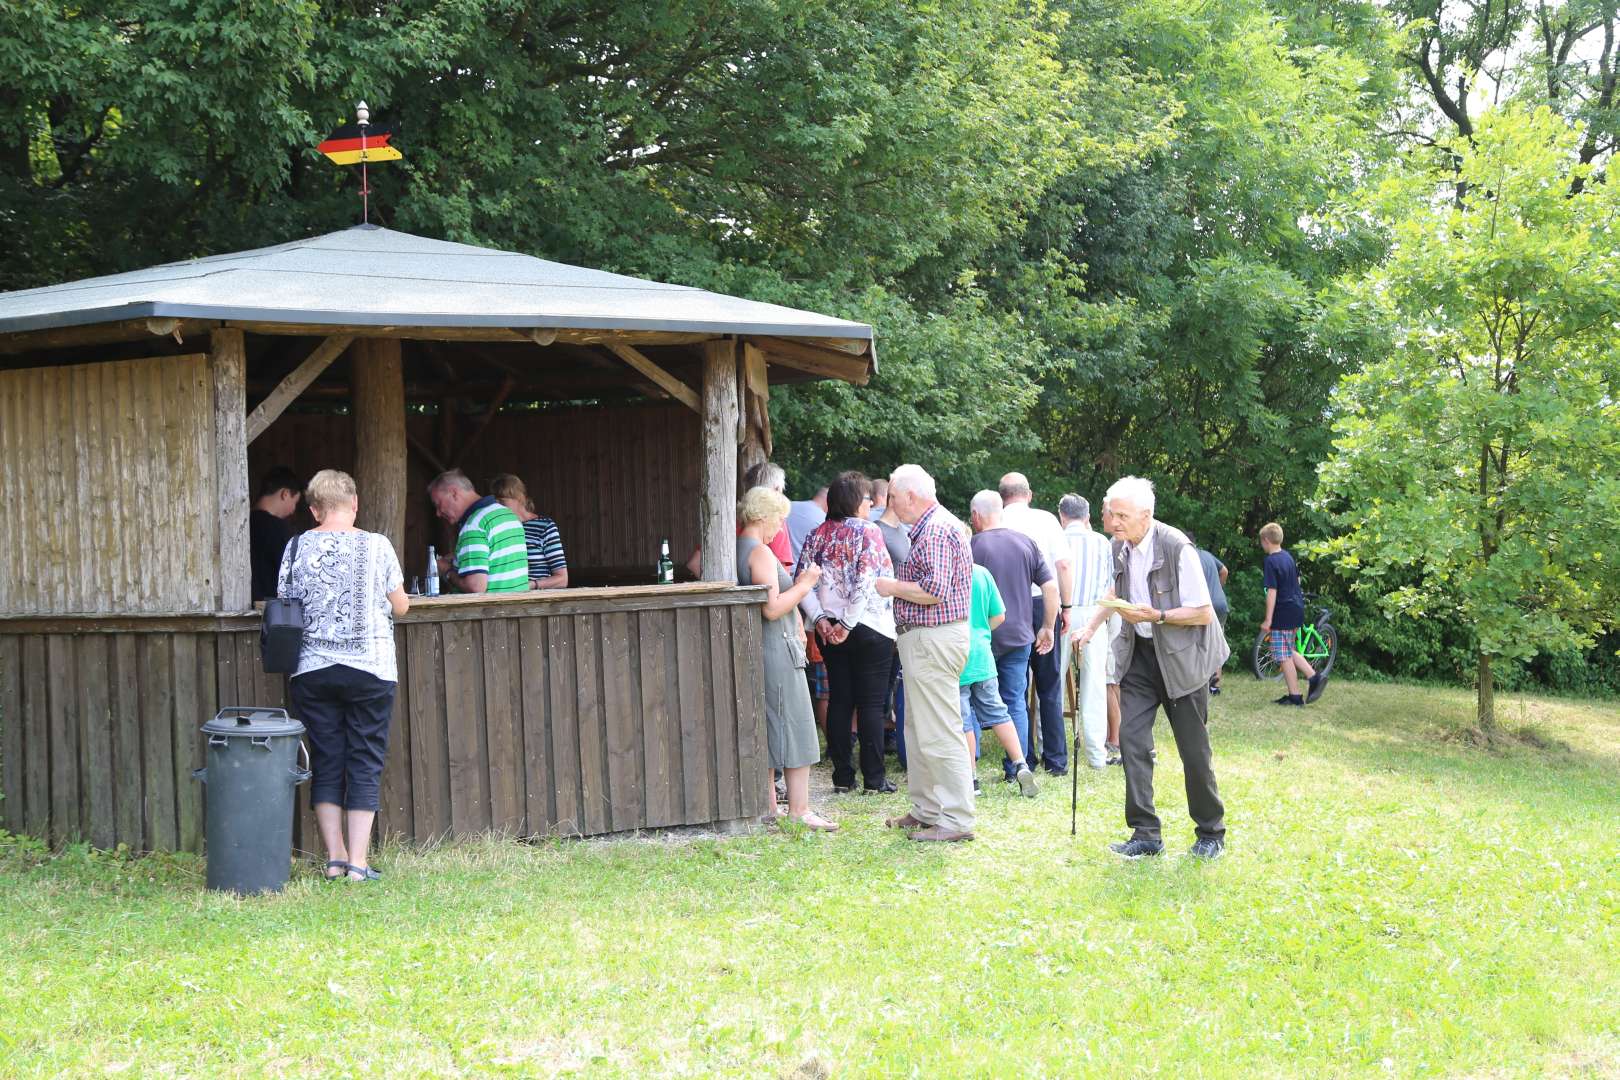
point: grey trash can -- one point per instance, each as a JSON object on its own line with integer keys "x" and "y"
{"x": 252, "y": 777}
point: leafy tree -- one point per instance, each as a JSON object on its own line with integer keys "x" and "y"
{"x": 1476, "y": 469}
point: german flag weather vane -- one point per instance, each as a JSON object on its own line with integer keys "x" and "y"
{"x": 361, "y": 143}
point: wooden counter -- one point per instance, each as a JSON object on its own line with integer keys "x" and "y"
{"x": 577, "y": 712}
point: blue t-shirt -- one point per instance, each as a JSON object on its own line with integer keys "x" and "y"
{"x": 1283, "y": 575}
{"x": 1212, "y": 578}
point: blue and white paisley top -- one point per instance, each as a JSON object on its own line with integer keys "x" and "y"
{"x": 344, "y": 579}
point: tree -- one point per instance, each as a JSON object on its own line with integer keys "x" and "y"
{"x": 1475, "y": 471}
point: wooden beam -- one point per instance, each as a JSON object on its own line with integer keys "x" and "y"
{"x": 814, "y": 360}
{"x": 474, "y": 333}
{"x": 488, "y": 417}
{"x": 717, "y": 500}
{"x": 661, "y": 378}
{"x": 426, "y": 454}
{"x": 294, "y": 384}
{"x": 227, "y": 365}
{"x": 853, "y": 346}
{"x": 69, "y": 337}
{"x": 755, "y": 407}
{"x": 379, "y": 439}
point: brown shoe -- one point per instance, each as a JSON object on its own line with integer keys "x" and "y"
{"x": 904, "y": 822}
{"x": 940, "y": 834}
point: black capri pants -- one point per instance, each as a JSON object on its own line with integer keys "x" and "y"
{"x": 346, "y": 713}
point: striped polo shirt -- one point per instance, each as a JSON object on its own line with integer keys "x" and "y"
{"x": 545, "y": 548}
{"x": 490, "y": 542}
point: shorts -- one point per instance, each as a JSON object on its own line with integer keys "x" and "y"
{"x": 981, "y": 701}
{"x": 1282, "y": 644}
{"x": 816, "y": 672}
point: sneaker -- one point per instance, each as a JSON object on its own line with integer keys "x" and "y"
{"x": 843, "y": 789}
{"x": 1314, "y": 690}
{"x": 1289, "y": 699}
{"x": 885, "y": 788}
{"x": 1136, "y": 849}
{"x": 1207, "y": 848}
{"x": 1026, "y": 781}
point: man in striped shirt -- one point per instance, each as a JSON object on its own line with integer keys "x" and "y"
{"x": 491, "y": 553}
{"x": 1091, "y": 630}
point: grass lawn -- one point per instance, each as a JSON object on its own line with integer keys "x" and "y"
{"x": 1393, "y": 902}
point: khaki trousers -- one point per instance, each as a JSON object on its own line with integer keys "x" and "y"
{"x": 938, "y": 772}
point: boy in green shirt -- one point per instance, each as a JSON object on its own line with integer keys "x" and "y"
{"x": 981, "y": 694}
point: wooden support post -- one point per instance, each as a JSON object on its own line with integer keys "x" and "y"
{"x": 717, "y": 497}
{"x": 379, "y": 438}
{"x": 227, "y": 365}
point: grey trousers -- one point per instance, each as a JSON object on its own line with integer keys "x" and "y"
{"x": 1141, "y": 693}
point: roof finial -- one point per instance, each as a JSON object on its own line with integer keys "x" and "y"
{"x": 362, "y": 116}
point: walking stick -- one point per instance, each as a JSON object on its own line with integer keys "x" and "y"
{"x": 1073, "y": 687}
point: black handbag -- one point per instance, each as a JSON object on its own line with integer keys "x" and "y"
{"x": 281, "y": 637}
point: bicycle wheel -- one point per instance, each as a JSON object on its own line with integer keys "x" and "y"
{"x": 1260, "y": 661}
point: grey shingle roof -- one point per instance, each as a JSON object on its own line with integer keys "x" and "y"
{"x": 371, "y": 276}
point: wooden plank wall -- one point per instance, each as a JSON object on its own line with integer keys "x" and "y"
{"x": 107, "y": 471}
{"x": 590, "y": 722}
{"x": 617, "y": 480}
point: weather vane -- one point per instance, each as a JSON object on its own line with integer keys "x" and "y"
{"x": 361, "y": 143}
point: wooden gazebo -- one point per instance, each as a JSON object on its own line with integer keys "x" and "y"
{"x": 135, "y": 409}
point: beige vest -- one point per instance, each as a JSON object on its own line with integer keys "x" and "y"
{"x": 1189, "y": 656}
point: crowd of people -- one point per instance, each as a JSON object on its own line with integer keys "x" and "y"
{"x": 877, "y": 597}
{"x": 950, "y": 624}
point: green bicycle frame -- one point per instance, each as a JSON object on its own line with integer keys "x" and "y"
{"x": 1309, "y": 643}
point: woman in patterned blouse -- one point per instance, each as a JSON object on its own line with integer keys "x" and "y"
{"x": 343, "y": 690}
{"x": 856, "y": 627}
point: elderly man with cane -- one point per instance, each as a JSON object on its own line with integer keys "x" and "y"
{"x": 1166, "y": 655}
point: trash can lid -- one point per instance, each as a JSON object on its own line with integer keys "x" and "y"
{"x": 252, "y": 721}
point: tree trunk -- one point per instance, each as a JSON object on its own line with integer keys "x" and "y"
{"x": 227, "y": 363}
{"x": 379, "y": 438}
{"x": 1487, "y": 698}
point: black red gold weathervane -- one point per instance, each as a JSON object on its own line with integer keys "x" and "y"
{"x": 361, "y": 143}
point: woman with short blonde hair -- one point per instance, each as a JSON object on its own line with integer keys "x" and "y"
{"x": 343, "y": 690}
{"x": 790, "y": 722}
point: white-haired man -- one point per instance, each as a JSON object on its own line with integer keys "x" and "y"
{"x": 1043, "y": 528}
{"x": 1165, "y": 658}
{"x": 1091, "y": 629}
{"x": 932, "y": 593}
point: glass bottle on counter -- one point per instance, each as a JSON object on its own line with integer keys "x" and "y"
{"x": 432, "y": 572}
{"x": 666, "y": 566}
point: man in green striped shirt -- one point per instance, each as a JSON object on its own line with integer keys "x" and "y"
{"x": 491, "y": 553}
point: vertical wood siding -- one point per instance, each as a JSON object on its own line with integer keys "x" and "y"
{"x": 565, "y": 724}
{"x": 108, "y": 474}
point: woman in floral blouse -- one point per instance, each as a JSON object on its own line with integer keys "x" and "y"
{"x": 856, "y": 628}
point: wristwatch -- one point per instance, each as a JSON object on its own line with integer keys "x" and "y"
{"x": 1161, "y": 616}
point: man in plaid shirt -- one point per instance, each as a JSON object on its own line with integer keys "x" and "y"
{"x": 932, "y": 590}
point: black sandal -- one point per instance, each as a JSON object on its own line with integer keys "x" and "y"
{"x": 367, "y": 873}
{"x": 337, "y": 864}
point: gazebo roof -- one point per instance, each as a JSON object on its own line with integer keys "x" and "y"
{"x": 371, "y": 276}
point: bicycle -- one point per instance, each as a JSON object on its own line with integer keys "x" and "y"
{"x": 1317, "y": 642}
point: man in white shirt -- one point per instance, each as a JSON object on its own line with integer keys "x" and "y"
{"x": 803, "y": 518}
{"x": 1045, "y": 668}
{"x": 1091, "y": 631}
{"x": 1165, "y": 656}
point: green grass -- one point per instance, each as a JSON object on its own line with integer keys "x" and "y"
{"x": 1395, "y": 901}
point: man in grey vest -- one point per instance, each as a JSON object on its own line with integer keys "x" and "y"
{"x": 1166, "y": 655}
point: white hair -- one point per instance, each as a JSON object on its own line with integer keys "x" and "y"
{"x": 915, "y": 479}
{"x": 987, "y": 502}
{"x": 1132, "y": 489}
